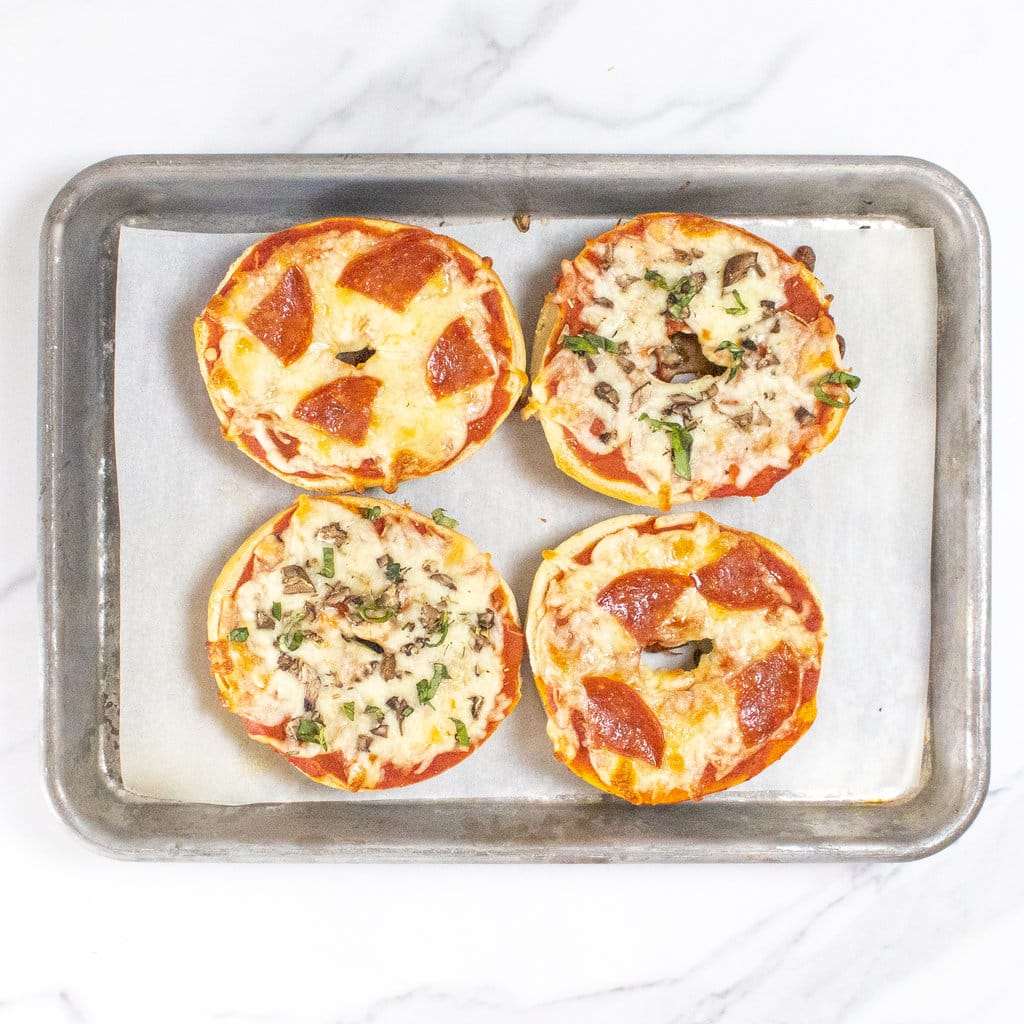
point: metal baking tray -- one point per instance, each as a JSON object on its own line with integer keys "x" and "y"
{"x": 79, "y": 504}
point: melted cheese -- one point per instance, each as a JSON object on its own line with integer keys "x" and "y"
{"x": 572, "y": 637}
{"x": 741, "y": 422}
{"x": 258, "y": 396}
{"x": 330, "y": 676}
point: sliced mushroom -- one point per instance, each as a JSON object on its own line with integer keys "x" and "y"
{"x": 485, "y": 620}
{"x": 841, "y": 342}
{"x": 363, "y": 743}
{"x": 684, "y": 256}
{"x": 444, "y": 579}
{"x": 430, "y": 617}
{"x": 805, "y": 254}
{"x": 475, "y": 705}
{"x": 738, "y": 266}
{"x": 761, "y": 418}
{"x": 683, "y": 354}
{"x": 639, "y": 396}
{"x": 604, "y": 392}
{"x": 388, "y": 669}
{"x": 379, "y": 730}
{"x": 604, "y": 303}
{"x": 625, "y": 364}
{"x": 749, "y": 344}
{"x": 310, "y": 680}
{"x": 286, "y": 663}
{"x": 623, "y": 281}
{"x": 768, "y": 305}
{"x": 296, "y": 580}
{"x": 264, "y": 620}
{"x": 743, "y": 419}
{"x": 768, "y": 359}
{"x": 803, "y": 415}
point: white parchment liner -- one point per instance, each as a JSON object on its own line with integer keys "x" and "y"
{"x": 857, "y": 517}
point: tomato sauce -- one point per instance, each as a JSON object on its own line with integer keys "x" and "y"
{"x": 800, "y": 300}
{"x": 612, "y": 466}
{"x": 760, "y": 483}
{"x": 274, "y": 732}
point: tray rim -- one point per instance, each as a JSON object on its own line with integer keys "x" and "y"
{"x": 108, "y": 824}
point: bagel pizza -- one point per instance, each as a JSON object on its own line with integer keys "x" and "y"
{"x": 680, "y": 358}
{"x": 745, "y": 630}
{"x": 370, "y": 645}
{"x": 351, "y": 353}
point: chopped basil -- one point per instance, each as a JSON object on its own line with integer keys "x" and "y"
{"x": 739, "y": 308}
{"x": 736, "y": 351}
{"x": 658, "y": 279}
{"x": 682, "y": 443}
{"x": 350, "y": 710}
{"x": 836, "y": 377}
{"x": 291, "y": 637}
{"x": 461, "y": 733}
{"x": 393, "y": 571}
{"x": 275, "y": 610}
{"x": 426, "y": 689}
{"x": 682, "y": 293}
{"x": 374, "y": 712}
{"x": 407, "y": 711}
{"x": 440, "y": 631}
{"x": 371, "y": 611}
{"x": 371, "y": 512}
{"x": 240, "y": 635}
{"x": 443, "y": 519}
{"x": 327, "y": 564}
{"x": 293, "y": 640}
{"x": 311, "y": 730}
{"x": 587, "y": 344}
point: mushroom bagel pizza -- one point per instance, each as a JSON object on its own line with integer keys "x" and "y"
{"x": 370, "y": 645}
{"x": 681, "y": 358}
{"x": 746, "y": 631}
{"x": 351, "y": 353}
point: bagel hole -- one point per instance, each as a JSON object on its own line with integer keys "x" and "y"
{"x": 686, "y": 657}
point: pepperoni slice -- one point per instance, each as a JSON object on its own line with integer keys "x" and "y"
{"x": 341, "y": 408}
{"x": 283, "y": 319}
{"x": 767, "y": 693}
{"x": 395, "y": 269}
{"x": 750, "y": 576}
{"x": 456, "y": 362}
{"x": 619, "y": 720}
{"x": 642, "y": 599}
{"x": 274, "y": 732}
{"x": 800, "y": 300}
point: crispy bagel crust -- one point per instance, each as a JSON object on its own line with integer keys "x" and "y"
{"x": 551, "y": 324}
{"x": 405, "y": 462}
{"x": 330, "y": 769}
{"x": 623, "y": 780}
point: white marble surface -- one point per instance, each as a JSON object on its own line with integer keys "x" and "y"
{"x": 83, "y": 938}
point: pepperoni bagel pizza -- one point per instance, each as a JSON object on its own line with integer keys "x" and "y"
{"x": 745, "y": 628}
{"x": 681, "y": 358}
{"x": 351, "y": 353}
{"x": 370, "y": 645}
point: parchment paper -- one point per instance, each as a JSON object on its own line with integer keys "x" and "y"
{"x": 857, "y": 517}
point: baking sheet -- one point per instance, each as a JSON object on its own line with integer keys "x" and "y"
{"x": 857, "y": 517}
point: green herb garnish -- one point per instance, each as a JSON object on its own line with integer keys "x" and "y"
{"x": 371, "y": 611}
{"x": 327, "y": 564}
{"x": 736, "y": 351}
{"x": 426, "y": 689}
{"x": 739, "y": 308}
{"x": 275, "y": 610}
{"x": 461, "y": 734}
{"x": 371, "y": 512}
{"x": 658, "y": 279}
{"x": 443, "y": 519}
{"x": 440, "y": 631}
{"x": 836, "y": 377}
{"x": 682, "y": 443}
{"x": 393, "y": 571}
{"x": 311, "y": 730}
{"x": 350, "y": 710}
{"x": 587, "y": 344}
{"x": 240, "y": 635}
{"x": 374, "y": 712}
{"x": 682, "y": 293}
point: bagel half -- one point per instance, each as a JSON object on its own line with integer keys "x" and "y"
{"x": 366, "y": 643}
{"x": 352, "y": 353}
{"x": 681, "y": 358}
{"x": 748, "y": 629}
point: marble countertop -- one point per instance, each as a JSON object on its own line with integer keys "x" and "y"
{"x": 86, "y": 938}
